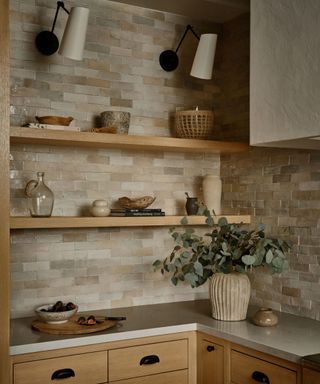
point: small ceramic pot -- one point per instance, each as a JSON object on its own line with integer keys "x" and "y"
{"x": 265, "y": 317}
{"x": 100, "y": 208}
{"x": 118, "y": 120}
{"x": 192, "y": 205}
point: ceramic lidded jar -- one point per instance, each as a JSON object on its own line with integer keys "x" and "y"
{"x": 100, "y": 208}
{"x": 265, "y": 317}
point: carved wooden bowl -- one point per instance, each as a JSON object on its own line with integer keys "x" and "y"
{"x": 137, "y": 203}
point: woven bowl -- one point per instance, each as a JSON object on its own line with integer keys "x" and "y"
{"x": 138, "y": 203}
{"x": 54, "y": 317}
{"x": 54, "y": 120}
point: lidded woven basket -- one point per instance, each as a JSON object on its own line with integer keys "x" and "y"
{"x": 195, "y": 124}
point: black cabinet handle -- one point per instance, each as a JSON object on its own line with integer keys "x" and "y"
{"x": 260, "y": 377}
{"x": 64, "y": 373}
{"x": 210, "y": 348}
{"x": 151, "y": 359}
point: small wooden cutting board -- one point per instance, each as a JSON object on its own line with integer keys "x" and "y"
{"x": 71, "y": 327}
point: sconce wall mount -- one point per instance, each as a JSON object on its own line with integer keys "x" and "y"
{"x": 204, "y": 58}
{"x": 73, "y": 39}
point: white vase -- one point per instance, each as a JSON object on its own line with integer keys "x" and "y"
{"x": 229, "y": 295}
{"x": 212, "y": 188}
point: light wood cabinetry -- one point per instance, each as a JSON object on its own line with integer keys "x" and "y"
{"x": 212, "y": 360}
{"x": 87, "y": 368}
{"x": 177, "y": 377}
{"x": 310, "y": 376}
{"x": 149, "y": 359}
{"x": 251, "y": 367}
{"x": 160, "y": 360}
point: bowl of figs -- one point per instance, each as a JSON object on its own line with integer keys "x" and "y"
{"x": 57, "y": 313}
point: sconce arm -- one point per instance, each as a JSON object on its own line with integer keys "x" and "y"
{"x": 60, "y": 4}
{"x": 188, "y": 28}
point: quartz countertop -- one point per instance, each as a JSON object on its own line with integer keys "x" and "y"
{"x": 293, "y": 337}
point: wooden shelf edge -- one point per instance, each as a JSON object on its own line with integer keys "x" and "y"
{"x": 23, "y": 222}
{"x": 23, "y": 135}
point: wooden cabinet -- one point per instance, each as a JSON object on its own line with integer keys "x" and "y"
{"x": 310, "y": 376}
{"x": 87, "y": 368}
{"x": 212, "y": 358}
{"x": 177, "y": 377}
{"x": 160, "y": 360}
{"x": 251, "y": 367}
{"x": 284, "y": 80}
{"x": 148, "y": 359}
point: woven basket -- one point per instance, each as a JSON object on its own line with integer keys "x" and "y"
{"x": 194, "y": 124}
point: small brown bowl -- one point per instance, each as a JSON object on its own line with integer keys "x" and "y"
{"x": 54, "y": 120}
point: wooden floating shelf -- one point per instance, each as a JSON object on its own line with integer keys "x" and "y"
{"x": 23, "y": 135}
{"x": 22, "y": 222}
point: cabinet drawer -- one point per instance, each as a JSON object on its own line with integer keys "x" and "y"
{"x": 87, "y": 368}
{"x": 243, "y": 367}
{"x": 149, "y": 359}
{"x": 310, "y": 376}
{"x": 177, "y": 377}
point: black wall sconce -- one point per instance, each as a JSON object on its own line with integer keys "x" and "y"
{"x": 203, "y": 60}
{"x": 73, "y": 40}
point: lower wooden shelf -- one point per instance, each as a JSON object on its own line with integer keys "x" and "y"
{"x": 23, "y": 222}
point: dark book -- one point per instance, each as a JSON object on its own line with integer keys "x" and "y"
{"x": 137, "y": 214}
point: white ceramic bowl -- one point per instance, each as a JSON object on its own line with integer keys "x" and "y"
{"x": 55, "y": 317}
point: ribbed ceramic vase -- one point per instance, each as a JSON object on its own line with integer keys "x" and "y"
{"x": 212, "y": 188}
{"x": 229, "y": 295}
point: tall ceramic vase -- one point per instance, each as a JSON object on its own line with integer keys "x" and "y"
{"x": 212, "y": 188}
{"x": 229, "y": 295}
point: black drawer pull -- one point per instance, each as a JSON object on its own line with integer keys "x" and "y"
{"x": 210, "y": 348}
{"x": 151, "y": 359}
{"x": 260, "y": 377}
{"x": 64, "y": 373}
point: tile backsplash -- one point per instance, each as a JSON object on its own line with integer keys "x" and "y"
{"x": 102, "y": 268}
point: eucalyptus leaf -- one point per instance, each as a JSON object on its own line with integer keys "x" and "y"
{"x": 248, "y": 259}
{"x": 198, "y": 268}
{"x": 269, "y": 256}
{"x": 184, "y": 221}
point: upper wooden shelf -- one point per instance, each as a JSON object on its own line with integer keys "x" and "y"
{"x": 24, "y": 135}
{"x": 23, "y": 222}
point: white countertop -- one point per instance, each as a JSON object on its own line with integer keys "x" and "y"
{"x": 293, "y": 337}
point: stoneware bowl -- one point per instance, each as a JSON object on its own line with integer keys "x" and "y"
{"x": 137, "y": 203}
{"x": 55, "y": 317}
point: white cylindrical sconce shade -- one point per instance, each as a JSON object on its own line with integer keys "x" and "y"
{"x": 204, "y": 58}
{"x": 74, "y": 37}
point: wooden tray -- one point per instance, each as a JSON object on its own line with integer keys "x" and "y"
{"x": 71, "y": 327}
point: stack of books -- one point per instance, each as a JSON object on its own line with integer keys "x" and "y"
{"x": 137, "y": 212}
{"x": 52, "y": 126}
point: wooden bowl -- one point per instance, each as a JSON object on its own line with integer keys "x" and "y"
{"x": 138, "y": 203}
{"x": 54, "y": 120}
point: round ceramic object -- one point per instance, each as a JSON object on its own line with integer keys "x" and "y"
{"x": 55, "y": 317}
{"x": 229, "y": 295}
{"x": 265, "y": 317}
{"x": 100, "y": 208}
